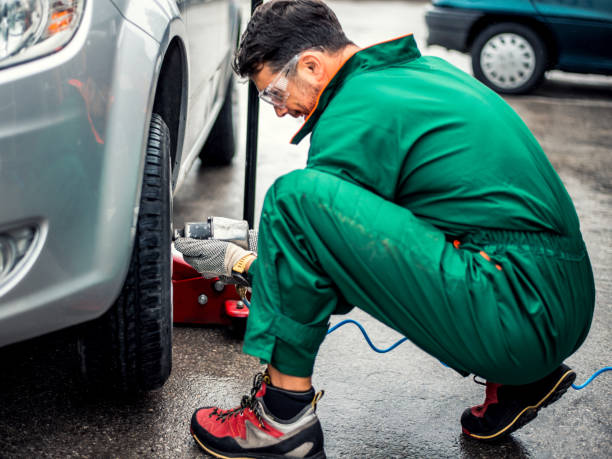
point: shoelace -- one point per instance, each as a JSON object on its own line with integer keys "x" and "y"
{"x": 247, "y": 402}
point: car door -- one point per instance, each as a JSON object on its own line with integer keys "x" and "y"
{"x": 583, "y": 29}
{"x": 205, "y": 21}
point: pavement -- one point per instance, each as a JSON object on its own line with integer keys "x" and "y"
{"x": 397, "y": 405}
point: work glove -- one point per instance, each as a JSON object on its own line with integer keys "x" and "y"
{"x": 218, "y": 258}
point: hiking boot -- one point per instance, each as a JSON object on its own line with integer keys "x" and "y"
{"x": 250, "y": 430}
{"x": 507, "y": 408}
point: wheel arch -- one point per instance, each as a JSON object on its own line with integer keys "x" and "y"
{"x": 162, "y": 21}
{"x": 538, "y": 27}
{"x": 170, "y": 101}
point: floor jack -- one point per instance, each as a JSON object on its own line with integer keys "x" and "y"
{"x": 209, "y": 301}
{"x": 204, "y": 301}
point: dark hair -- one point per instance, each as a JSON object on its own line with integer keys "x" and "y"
{"x": 280, "y": 29}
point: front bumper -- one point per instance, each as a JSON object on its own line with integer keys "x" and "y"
{"x": 450, "y": 27}
{"x": 71, "y": 154}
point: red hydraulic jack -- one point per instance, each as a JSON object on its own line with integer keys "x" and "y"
{"x": 208, "y": 301}
{"x": 204, "y": 301}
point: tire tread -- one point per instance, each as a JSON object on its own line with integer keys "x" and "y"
{"x": 129, "y": 347}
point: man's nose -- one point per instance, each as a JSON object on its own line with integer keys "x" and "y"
{"x": 280, "y": 112}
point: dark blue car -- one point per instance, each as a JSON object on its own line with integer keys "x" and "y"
{"x": 513, "y": 42}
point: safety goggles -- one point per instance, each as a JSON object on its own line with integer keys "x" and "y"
{"x": 276, "y": 93}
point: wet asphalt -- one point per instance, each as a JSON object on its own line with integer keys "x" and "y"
{"x": 397, "y": 405}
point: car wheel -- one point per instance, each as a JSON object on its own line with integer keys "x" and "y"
{"x": 129, "y": 348}
{"x": 509, "y": 58}
{"x": 220, "y": 145}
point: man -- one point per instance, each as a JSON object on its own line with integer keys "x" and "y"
{"x": 425, "y": 202}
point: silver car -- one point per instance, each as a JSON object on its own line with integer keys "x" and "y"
{"x": 104, "y": 106}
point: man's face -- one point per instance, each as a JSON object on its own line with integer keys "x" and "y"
{"x": 302, "y": 94}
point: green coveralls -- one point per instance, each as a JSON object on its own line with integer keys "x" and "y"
{"x": 427, "y": 203}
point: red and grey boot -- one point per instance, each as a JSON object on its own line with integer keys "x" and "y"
{"x": 507, "y": 408}
{"x": 250, "y": 430}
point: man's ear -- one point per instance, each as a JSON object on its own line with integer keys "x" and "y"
{"x": 312, "y": 66}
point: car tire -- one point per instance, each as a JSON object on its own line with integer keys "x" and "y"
{"x": 509, "y": 58}
{"x": 129, "y": 348}
{"x": 220, "y": 145}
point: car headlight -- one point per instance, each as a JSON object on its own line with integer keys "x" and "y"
{"x": 33, "y": 28}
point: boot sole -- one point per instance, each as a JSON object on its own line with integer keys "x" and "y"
{"x": 212, "y": 452}
{"x": 529, "y": 413}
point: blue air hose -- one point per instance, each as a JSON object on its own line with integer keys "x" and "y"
{"x": 393, "y": 346}
{"x": 365, "y": 335}
{"x": 592, "y": 377}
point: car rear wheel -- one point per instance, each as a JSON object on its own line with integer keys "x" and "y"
{"x": 129, "y": 348}
{"x": 509, "y": 58}
{"x": 220, "y": 145}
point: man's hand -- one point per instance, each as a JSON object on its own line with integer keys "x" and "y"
{"x": 214, "y": 257}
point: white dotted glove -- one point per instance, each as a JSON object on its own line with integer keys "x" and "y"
{"x": 214, "y": 257}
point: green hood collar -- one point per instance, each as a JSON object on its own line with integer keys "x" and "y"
{"x": 397, "y": 50}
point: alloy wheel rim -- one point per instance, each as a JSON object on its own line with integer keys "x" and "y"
{"x": 508, "y": 60}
